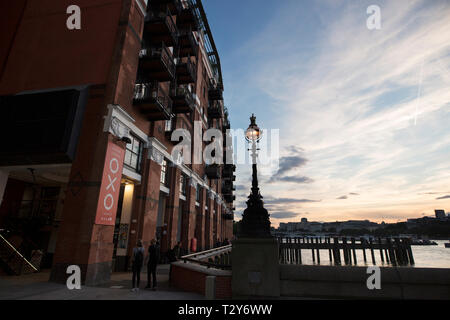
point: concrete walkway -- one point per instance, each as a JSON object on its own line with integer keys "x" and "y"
{"x": 36, "y": 287}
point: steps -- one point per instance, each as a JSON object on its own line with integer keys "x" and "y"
{"x": 13, "y": 262}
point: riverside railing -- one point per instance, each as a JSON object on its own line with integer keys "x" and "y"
{"x": 218, "y": 258}
{"x": 396, "y": 251}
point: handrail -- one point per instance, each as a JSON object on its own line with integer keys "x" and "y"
{"x": 206, "y": 252}
{"x": 209, "y": 264}
{"x": 18, "y": 253}
{"x": 198, "y": 258}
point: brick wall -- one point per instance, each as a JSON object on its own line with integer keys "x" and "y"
{"x": 193, "y": 280}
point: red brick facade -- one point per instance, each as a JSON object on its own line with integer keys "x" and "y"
{"x": 40, "y": 54}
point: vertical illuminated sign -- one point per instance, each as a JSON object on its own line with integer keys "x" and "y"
{"x": 110, "y": 187}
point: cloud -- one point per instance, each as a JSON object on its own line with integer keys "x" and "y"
{"x": 342, "y": 198}
{"x": 274, "y": 201}
{"x": 241, "y": 187}
{"x": 295, "y": 179}
{"x": 444, "y": 197}
{"x": 290, "y": 163}
{"x": 284, "y": 215}
{"x": 354, "y": 194}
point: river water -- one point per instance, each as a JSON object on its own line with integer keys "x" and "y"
{"x": 424, "y": 256}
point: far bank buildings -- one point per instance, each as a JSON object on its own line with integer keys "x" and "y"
{"x": 87, "y": 117}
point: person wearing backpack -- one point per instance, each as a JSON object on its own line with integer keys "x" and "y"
{"x": 153, "y": 258}
{"x": 136, "y": 266}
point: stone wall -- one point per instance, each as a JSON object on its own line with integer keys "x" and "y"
{"x": 351, "y": 282}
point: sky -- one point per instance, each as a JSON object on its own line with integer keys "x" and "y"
{"x": 363, "y": 115}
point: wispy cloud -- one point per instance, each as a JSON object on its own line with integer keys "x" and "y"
{"x": 352, "y": 102}
{"x": 294, "y": 179}
{"x": 291, "y": 164}
{"x": 270, "y": 200}
{"x": 284, "y": 215}
{"x": 444, "y": 197}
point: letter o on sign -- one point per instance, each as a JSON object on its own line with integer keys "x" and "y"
{"x": 116, "y": 163}
{"x": 111, "y": 201}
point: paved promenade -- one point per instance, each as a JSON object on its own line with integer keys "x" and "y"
{"x": 37, "y": 287}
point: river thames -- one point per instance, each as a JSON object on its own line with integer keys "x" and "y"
{"x": 424, "y": 256}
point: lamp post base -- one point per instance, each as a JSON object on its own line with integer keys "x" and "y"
{"x": 255, "y": 267}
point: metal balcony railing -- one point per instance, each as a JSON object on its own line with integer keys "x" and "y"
{"x": 215, "y": 110}
{"x": 188, "y": 44}
{"x": 212, "y": 171}
{"x": 158, "y": 62}
{"x": 183, "y": 99}
{"x": 188, "y": 15}
{"x": 186, "y": 71}
{"x": 153, "y": 101}
{"x": 161, "y": 27}
{"x": 215, "y": 90}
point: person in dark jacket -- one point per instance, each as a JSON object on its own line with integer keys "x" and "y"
{"x": 136, "y": 265}
{"x": 176, "y": 252}
{"x": 153, "y": 258}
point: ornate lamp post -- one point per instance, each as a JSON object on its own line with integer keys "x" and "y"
{"x": 255, "y": 220}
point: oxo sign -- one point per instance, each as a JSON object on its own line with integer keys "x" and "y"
{"x": 110, "y": 187}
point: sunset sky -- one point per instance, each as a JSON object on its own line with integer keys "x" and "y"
{"x": 364, "y": 115}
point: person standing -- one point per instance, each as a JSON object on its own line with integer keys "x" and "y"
{"x": 153, "y": 258}
{"x": 176, "y": 251}
{"x": 136, "y": 265}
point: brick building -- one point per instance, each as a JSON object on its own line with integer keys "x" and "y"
{"x": 87, "y": 117}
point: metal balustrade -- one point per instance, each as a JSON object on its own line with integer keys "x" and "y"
{"x": 218, "y": 258}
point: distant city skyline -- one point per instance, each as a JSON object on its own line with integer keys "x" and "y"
{"x": 363, "y": 114}
{"x": 303, "y": 219}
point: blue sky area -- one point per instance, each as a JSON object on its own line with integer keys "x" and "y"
{"x": 363, "y": 114}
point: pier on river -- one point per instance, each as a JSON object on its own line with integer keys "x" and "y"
{"x": 394, "y": 251}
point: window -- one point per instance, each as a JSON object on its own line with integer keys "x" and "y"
{"x": 183, "y": 184}
{"x": 197, "y": 193}
{"x": 133, "y": 154}
{"x": 164, "y": 173}
{"x": 169, "y": 126}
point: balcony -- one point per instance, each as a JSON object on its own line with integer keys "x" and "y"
{"x": 160, "y": 27}
{"x": 153, "y": 101}
{"x": 215, "y": 110}
{"x": 228, "y": 172}
{"x": 212, "y": 171}
{"x": 187, "y": 16}
{"x": 228, "y": 187}
{"x": 183, "y": 99}
{"x": 187, "y": 43}
{"x": 186, "y": 71}
{"x": 173, "y": 5}
{"x": 169, "y": 128}
{"x": 226, "y": 125}
{"x": 228, "y": 216}
{"x": 229, "y": 198}
{"x": 157, "y": 63}
{"x": 215, "y": 90}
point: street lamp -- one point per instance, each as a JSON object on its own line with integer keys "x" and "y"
{"x": 255, "y": 220}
